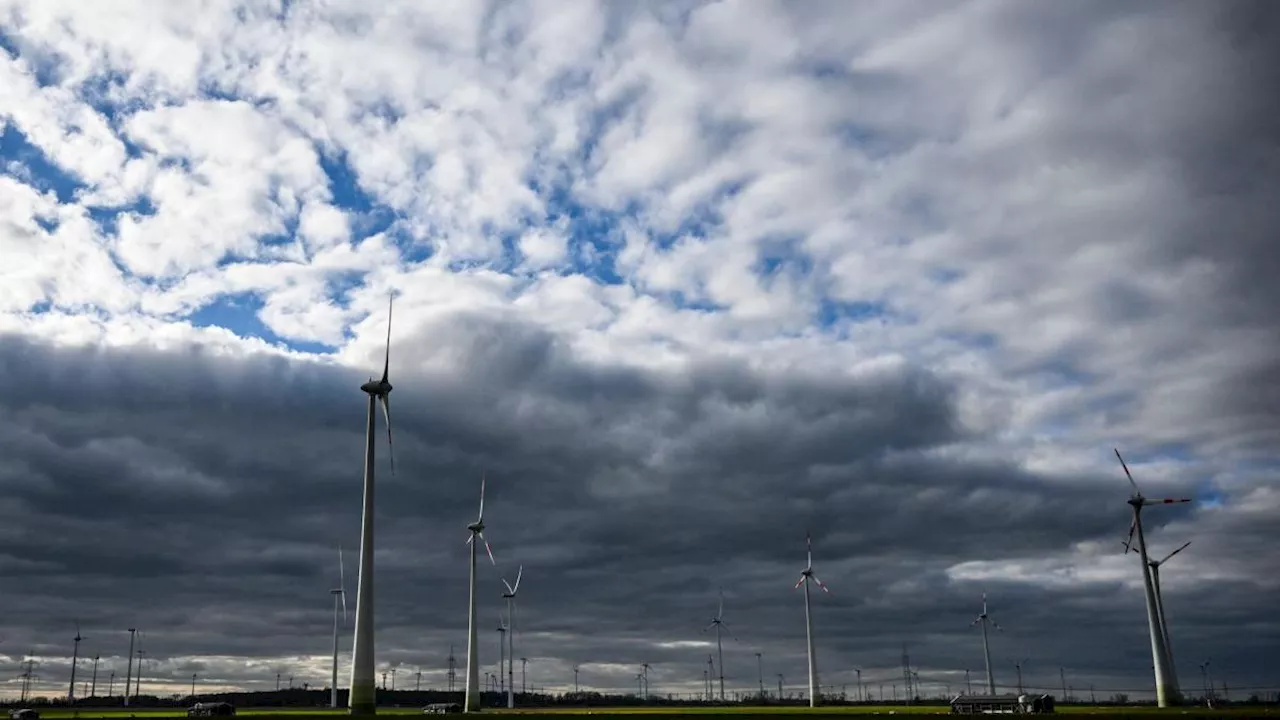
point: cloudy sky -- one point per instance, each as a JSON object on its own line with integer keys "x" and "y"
{"x": 685, "y": 282}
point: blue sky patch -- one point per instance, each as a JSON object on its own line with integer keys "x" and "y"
{"x": 28, "y": 163}
{"x": 239, "y": 314}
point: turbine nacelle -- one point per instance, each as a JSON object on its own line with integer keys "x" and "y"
{"x": 379, "y": 388}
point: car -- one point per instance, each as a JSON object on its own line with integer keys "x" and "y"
{"x": 441, "y": 709}
{"x": 24, "y": 714}
{"x": 217, "y": 709}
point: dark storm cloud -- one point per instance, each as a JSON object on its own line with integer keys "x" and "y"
{"x": 203, "y": 497}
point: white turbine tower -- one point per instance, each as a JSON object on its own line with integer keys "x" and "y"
{"x": 510, "y": 596}
{"x": 1155, "y": 582}
{"x": 718, "y": 623}
{"x": 472, "y": 702}
{"x": 1166, "y": 679}
{"x": 984, "y": 619}
{"x": 806, "y": 576}
{"x": 362, "y": 697}
{"x": 339, "y": 597}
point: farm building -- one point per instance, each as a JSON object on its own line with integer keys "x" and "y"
{"x": 1001, "y": 704}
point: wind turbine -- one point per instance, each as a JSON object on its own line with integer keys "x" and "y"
{"x": 984, "y": 619}
{"x": 1155, "y": 582}
{"x": 339, "y": 596}
{"x": 510, "y": 596}
{"x": 718, "y": 623}
{"x": 362, "y": 696}
{"x": 806, "y": 576}
{"x": 75, "y": 660}
{"x": 1166, "y": 679}
{"x": 472, "y": 702}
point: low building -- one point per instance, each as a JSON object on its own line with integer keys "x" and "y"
{"x": 1001, "y": 704}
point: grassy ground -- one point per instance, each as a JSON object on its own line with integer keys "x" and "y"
{"x": 1185, "y": 713}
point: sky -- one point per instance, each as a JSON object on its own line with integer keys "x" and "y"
{"x": 685, "y": 281}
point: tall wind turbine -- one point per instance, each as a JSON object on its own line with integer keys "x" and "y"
{"x": 1166, "y": 679}
{"x": 1164, "y": 620}
{"x": 75, "y": 660}
{"x": 717, "y": 622}
{"x": 339, "y": 596}
{"x": 986, "y": 619}
{"x": 362, "y": 697}
{"x": 807, "y": 576}
{"x": 510, "y": 596}
{"x": 472, "y": 702}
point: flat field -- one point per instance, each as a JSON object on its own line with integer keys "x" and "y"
{"x": 635, "y": 713}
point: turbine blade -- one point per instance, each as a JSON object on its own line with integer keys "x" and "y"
{"x": 386, "y": 363}
{"x": 344, "y": 606}
{"x": 510, "y": 591}
{"x": 470, "y": 537}
{"x": 1128, "y": 543}
{"x": 481, "y": 517}
{"x": 1165, "y": 501}
{"x": 824, "y": 587}
{"x": 976, "y": 621}
{"x": 995, "y": 625}
{"x": 713, "y": 624}
{"x": 808, "y": 541}
{"x": 799, "y": 583}
{"x": 519, "y": 574}
{"x": 1166, "y": 558}
{"x": 487, "y": 549}
{"x": 1126, "y": 472}
{"x": 391, "y": 446}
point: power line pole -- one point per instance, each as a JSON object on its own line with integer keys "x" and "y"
{"x": 193, "y": 686}
{"x": 1062, "y": 675}
{"x": 452, "y": 674}
{"x": 524, "y": 687}
{"x": 418, "y": 686}
{"x": 906, "y": 672}
{"x": 27, "y": 676}
{"x": 137, "y": 681}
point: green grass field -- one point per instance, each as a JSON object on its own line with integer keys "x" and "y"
{"x": 658, "y": 711}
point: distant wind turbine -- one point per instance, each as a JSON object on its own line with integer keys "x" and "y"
{"x": 1166, "y": 678}
{"x": 362, "y": 697}
{"x": 339, "y": 596}
{"x": 1160, "y": 613}
{"x": 75, "y": 660}
{"x": 472, "y": 701}
{"x": 718, "y": 623}
{"x": 807, "y": 576}
{"x": 510, "y": 596}
{"x": 984, "y": 619}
